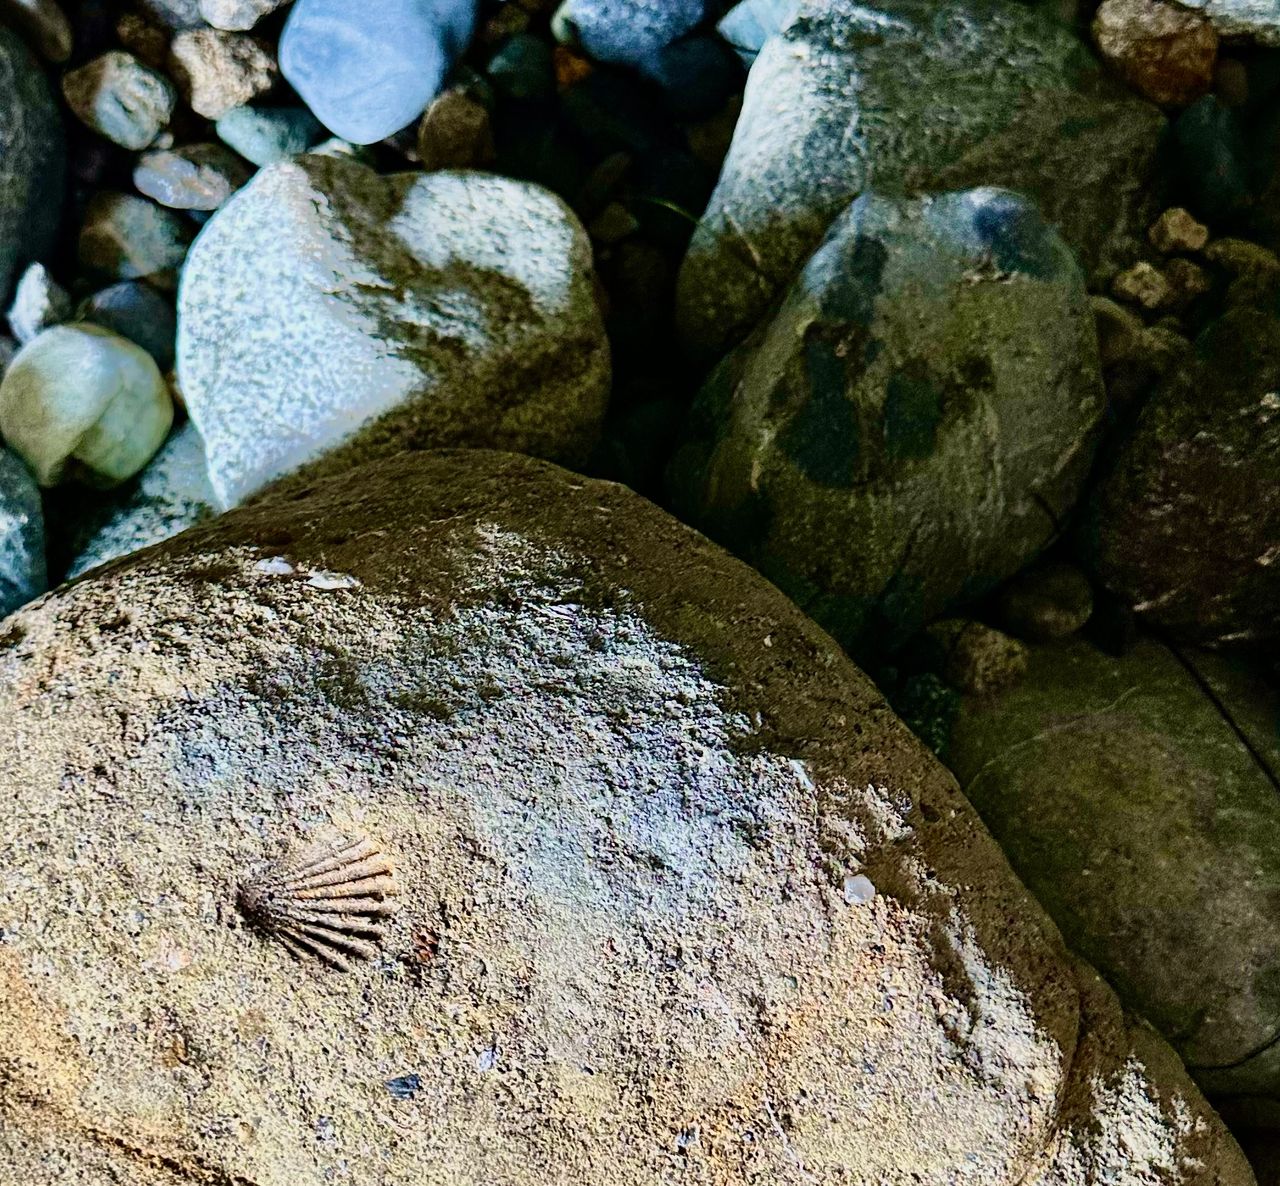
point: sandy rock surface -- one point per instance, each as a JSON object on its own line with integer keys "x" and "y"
{"x": 680, "y": 898}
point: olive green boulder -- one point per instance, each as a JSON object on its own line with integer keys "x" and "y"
{"x": 1137, "y": 797}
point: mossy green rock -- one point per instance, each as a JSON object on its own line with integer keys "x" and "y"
{"x": 906, "y": 96}
{"x": 912, "y": 425}
{"x": 1185, "y": 523}
{"x": 1137, "y": 798}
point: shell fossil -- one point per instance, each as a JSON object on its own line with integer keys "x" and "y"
{"x": 325, "y": 899}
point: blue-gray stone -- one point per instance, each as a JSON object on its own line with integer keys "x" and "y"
{"x": 915, "y": 95}
{"x": 368, "y": 70}
{"x": 625, "y": 32}
{"x": 138, "y": 312}
{"x": 170, "y": 495}
{"x": 914, "y": 423}
{"x": 22, "y": 566}
{"x": 265, "y": 135}
{"x": 749, "y": 24}
{"x": 32, "y": 159}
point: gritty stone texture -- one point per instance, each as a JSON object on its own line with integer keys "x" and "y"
{"x": 1164, "y": 51}
{"x": 977, "y": 659}
{"x": 368, "y": 70}
{"x": 39, "y": 301}
{"x": 921, "y": 95}
{"x": 43, "y": 24}
{"x": 1187, "y": 281}
{"x": 81, "y": 401}
{"x": 170, "y": 495}
{"x": 1185, "y": 522}
{"x": 626, "y": 32}
{"x": 1256, "y": 21}
{"x": 148, "y": 42}
{"x": 193, "y": 177}
{"x": 177, "y": 15}
{"x": 217, "y": 71}
{"x": 32, "y": 159}
{"x": 1122, "y": 790}
{"x": 1046, "y": 602}
{"x": 1177, "y": 230}
{"x": 1143, "y": 284}
{"x": 237, "y": 14}
{"x": 126, "y": 237}
{"x": 22, "y": 566}
{"x": 680, "y": 897}
{"x": 326, "y": 311}
{"x": 121, "y": 99}
{"x": 1253, "y": 271}
{"x": 929, "y": 388}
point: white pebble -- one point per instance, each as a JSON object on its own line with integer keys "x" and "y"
{"x": 858, "y": 890}
{"x": 332, "y": 580}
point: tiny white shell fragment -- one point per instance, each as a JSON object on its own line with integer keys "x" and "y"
{"x": 858, "y": 890}
{"x": 332, "y": 580}
{"x": 802, "y": 773}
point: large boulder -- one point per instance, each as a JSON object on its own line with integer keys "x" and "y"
{"x": 912, "y": 425}
{"x": 327, "y": 311}
{"x": 678, "y": 894}
{"x": 911, "y": 96}
{"x": 1137, "y": 798}
{"x": 32, "y": 159}
{"x": 1185, "y": 522}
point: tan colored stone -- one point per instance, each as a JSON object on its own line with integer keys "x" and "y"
{"x": 1187, "y": 281}
{"x": 977, "y": 658}
{"x": 217, "y": 71}
{"x": 1143, "y": 284}
{"x": 1177, "y": 230}
{"x": 681, "y": 899}
{"x": 1164, "y": 51}
{"x": 455, "y": 133}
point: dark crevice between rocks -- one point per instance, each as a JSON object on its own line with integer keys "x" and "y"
{"x": 1260, "y": 1049}
{"x": 1259, "y": 759}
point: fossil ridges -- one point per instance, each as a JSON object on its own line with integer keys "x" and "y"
{"x": 325, "y": 900}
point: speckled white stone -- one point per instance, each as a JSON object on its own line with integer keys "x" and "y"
{"x": 1252, "y": 20}
{"x": 326, "y": 306}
